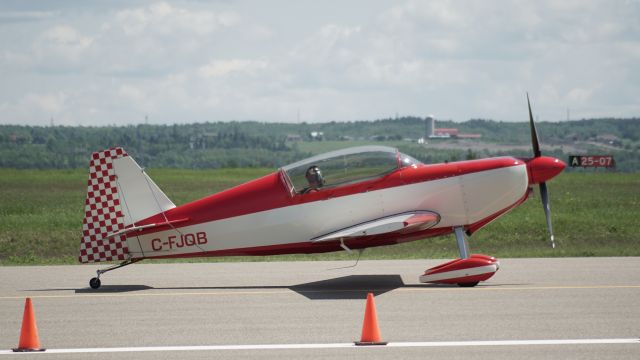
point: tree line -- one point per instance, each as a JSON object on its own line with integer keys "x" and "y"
{"x": 256, "y": 144}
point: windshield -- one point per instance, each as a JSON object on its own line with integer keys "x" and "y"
{"x": 343, "y": 167}
{"x": 406, "y": 160}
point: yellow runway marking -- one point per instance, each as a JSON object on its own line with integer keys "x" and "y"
{"x": 153, "y": 294}
{"x": 289, "y": 291}
{"x": 495, "y": 288}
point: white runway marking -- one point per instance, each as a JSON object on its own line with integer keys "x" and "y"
{"x": 335, "y": 346}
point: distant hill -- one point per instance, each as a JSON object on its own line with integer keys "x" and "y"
{"x": 254, "y": 144}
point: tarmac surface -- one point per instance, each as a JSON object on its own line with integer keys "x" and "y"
{"x": 267, "y": 310}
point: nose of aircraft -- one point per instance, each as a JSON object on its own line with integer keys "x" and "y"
{"x": 543, "y": 168}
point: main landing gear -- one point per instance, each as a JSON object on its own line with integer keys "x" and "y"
{"x": 95, "y": 283}
{"x": 467, "y": 271}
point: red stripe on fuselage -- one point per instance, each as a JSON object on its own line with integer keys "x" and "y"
{"x": 268, "y": 192}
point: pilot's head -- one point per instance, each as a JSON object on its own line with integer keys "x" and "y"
{"x": 314, "y": 177}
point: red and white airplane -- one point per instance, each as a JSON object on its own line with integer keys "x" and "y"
{"x": 353, "y": 198}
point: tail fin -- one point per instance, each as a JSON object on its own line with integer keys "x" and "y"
{"x": 119, "y": 193}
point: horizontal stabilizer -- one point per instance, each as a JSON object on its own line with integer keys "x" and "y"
{"x": 402, "y": 223}
{"x": 146, "y": 227}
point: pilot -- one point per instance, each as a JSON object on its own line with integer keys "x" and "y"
{"x": 314, "y": 178}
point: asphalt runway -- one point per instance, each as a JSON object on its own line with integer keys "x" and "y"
{"x": 270, "y": 310}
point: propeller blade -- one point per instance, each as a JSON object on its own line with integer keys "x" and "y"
{"x": 544, "y": 195}
{"x": 534, "y": 133}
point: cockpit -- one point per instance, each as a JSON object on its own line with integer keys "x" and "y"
{"x": 346, "y": 166}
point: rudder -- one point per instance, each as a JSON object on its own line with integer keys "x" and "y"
{"x": 103, "y": 211}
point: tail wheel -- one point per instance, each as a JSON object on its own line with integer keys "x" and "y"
{"x": 469, "y": 284}
{"x": 94, "y": 283}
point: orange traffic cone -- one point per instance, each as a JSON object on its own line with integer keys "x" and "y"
{"x": 29, "y": 340}
{"x": 370, "y": 330}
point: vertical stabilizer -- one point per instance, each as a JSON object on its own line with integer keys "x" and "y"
{"x": 119, "y": 193}
{"x": 139, "y": 196}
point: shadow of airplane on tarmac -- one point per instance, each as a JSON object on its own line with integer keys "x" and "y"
{"x": 340, "y": 288}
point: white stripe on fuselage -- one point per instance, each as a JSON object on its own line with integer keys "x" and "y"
{"x": 459, "y": 200}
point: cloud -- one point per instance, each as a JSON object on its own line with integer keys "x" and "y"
{"x": 34, "y": 108}
{"x": 164, "y": 18}
{"x": 208, "y": 61}
{"x": 328, "y": 44}
{"x": 159, "y": 39}
{"x": 60, "y": 48}
{"x": 132, "y": 94}
{"x": 579, "y": 95}
{"x": 217, "y": 68}
{"x": 25, "y": 16}
{"x": 67, "y": 36}
{"x": 45, "y": 103}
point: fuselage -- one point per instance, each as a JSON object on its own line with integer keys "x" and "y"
{"x": 263, "y": 216}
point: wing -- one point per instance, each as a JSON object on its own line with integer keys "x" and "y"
{"x": 401, "y": 223}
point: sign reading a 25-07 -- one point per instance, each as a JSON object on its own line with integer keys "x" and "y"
{"x": 591, "y": 161}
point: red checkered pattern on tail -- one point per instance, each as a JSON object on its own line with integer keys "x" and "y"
{"x": 103, "y": 213}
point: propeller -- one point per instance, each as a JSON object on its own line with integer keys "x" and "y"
{"x": 534, "y": 133}
{"x": 544, "y": 194}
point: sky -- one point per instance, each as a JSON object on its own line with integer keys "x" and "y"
{"x": 96, "y": 63}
